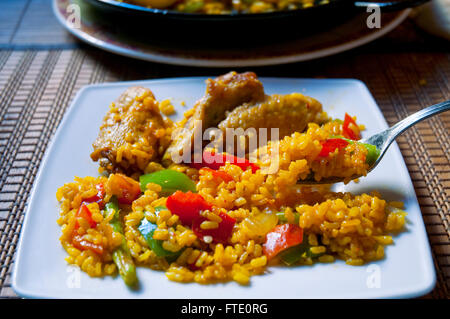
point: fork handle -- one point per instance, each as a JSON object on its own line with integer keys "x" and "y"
{"x": 417, "y": 117}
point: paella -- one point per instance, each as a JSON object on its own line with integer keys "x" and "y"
{"x": 223, "y": 208}
{"x": 225, "y": 7}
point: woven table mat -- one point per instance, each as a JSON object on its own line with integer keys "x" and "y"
{"x": 405, "y": 71}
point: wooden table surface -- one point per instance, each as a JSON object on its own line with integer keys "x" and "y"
{"x": 42, "y": 67}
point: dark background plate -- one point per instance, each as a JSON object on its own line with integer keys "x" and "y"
{"x": 236, "y": 28}
{"x": 108, "y": 34}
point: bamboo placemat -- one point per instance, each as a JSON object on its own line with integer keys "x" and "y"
{"x": 405, "y": 71}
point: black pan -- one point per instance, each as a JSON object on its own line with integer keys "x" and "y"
{"x": 236, "y": 27}
{"x": 339, "y": 5}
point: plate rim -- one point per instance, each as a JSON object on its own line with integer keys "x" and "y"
{"x": 422, "y": 289}
{"x": 224, "y": 63}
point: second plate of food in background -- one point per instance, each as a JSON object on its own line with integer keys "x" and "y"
{"x": 292, "y": 45}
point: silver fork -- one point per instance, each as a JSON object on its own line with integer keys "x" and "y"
{"x": 384, "y": 139}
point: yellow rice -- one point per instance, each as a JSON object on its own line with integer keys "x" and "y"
{"x": 225, "y": 7}
{"x": 352, "y": 228}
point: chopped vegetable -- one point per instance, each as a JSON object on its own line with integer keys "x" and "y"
{"x": 113, "y": 205}
{"x": 310, "y": 254}
{"x": 77, "y": 240}
{"x": 292, "y": 255}
{"x": 193, "y": 6}
{"x": 158, "y": 209}
{"x": 219, "y": 234}
{"x": 127, "y": 270}
{"x": 169, "y": 180}
{"x": 350, "y": 129}
{"x": 260, "y": 224}
{"x": 282, "y": 218}
{"x": 331, "y": 144}
{"x": 159, "y": 4}
{"x": 281, "y": 238}
{"x": 84, "y": 211}
{"x": 214, "y": 161}
{"x": 82, "y": 244}
{"x": 193, "y": 267}
{"x": 187, "y": 206}
{"x": 219, "y": 175}
{"x": 97, "y": 198}
{"x": 372, "y": 153}
{"x": 86, "y": 214}
{"x": 125, "y": 188}
{"x": 121, "y": 255}
{"x": 147, "y": 229}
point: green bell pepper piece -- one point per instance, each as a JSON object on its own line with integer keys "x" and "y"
{"x": 193, "y": 6}
{"x": 372, "y": 152}
{"x": 292, "y": 255}
{"x": 147, "y": 229}
{"x": 282, "y": 218}
{"x": 159, "y": 208}
{"x": 169, "y": 180}
{"x": 310, "y": 254}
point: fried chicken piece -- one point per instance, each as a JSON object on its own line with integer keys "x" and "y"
{"x": 223, "y": 94}
{"x": 133, "y": 133}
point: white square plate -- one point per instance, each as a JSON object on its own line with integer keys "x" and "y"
{"x": 40, "y": 269}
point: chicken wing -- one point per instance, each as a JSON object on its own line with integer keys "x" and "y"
{"x": 133, "y": 133}
{"x": 222, "y": 94}
{"x": 289, "y": 113}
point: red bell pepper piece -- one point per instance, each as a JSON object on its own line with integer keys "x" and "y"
{"x": 86, "y": 214}
{"x": 219, "y": 234}
{"x": 97, "y": 198}
{"x": 193, "y": 267}
{"x": 218, "y": 174}
{"x": 214, "y": 161}
{"x": 125, "y": 188}
{"x": 282, "y": 237}
{"x": 347, "y": 131}
{"x": 331, "y": 144}
{"x": 77, "y": 240}
{"x": 187, "y": 206}
{"x": 82, "y": 244}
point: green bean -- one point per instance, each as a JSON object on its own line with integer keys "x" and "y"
{"x": 122, "y": 258}
{"x": 121, "y": 255}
